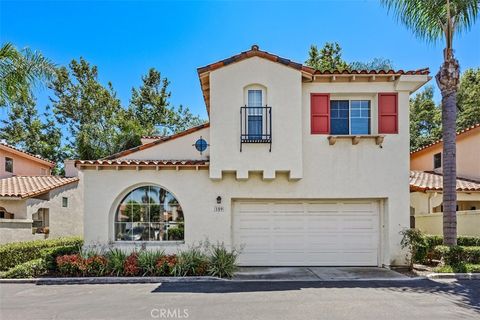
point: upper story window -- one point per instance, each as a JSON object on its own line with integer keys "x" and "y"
{"x": 437, "y": 160}
{"x": 255, "y": 117}
{"x": 8, "y": 164}
{"x": 255, "y": 114}
{"x": 350, "y": 117}
{"x": 149, "y": 213}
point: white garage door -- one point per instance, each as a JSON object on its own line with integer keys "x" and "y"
{"x": 307, "y": 233}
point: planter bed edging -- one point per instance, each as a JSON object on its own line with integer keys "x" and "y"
{"x": 457, "y": 276}
{"x": 109, "y": 280}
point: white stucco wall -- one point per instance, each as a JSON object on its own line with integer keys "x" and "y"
{"x": 176, "y": 149}
{"x": 283, "y": 94}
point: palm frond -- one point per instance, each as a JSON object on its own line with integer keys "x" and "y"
{"x": 429, "y": 19}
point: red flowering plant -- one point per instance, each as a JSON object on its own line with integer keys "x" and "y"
{"x": 95, "y": 265}
{"x": 131, "y": 267}
{"x": 166, "y": 264}
{"x": 71, "y": 265}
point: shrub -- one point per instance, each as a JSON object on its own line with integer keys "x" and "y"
{"x": 469, "y": 241}
{"x": 165, "y": 265}
{"x": 147, "y": 261}
{"x": 13, "y": 254}
{"x": 29, "y": 269}
{"x": 71, "y": 265}
{"x": 191, "y": 262}
{"x": 457, "y": 254}
{"x": 95, "y": 265}
{"x": 116, "y": 260}
{"x": 50, "y": 255}
{"x": 414, "y": 241}
{"x": 222, "y": 262}
{"x": 131, "y": 268}
{"x": 433, "y": 241}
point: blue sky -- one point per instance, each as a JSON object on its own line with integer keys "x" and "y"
{"x": 124, "y": 39}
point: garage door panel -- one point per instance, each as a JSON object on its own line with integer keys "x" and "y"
{"x": 307, "y": 233}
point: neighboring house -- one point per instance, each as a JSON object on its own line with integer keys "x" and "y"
{"x": 296, "y": 167}
{"x": 426, "y": 185}
{"x": 15, "y": 162}
{"x": 33, "y": 203}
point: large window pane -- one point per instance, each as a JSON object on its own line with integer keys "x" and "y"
{"x": 146, "y": 214}
{"x": 360, "y": 117}
{"x": 339, "y": 117}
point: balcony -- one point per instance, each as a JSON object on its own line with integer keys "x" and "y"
{"x": 256, "y": 125}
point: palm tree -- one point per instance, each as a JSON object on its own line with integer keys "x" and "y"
{"x": 20, "y": 72}
{"x": 434, "y": 20}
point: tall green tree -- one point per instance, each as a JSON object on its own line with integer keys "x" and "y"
{"x": 20, "y": 72}
{"x": 151, "y": 109}
{"x": 435, "y": 20}
{"x": 468, "y": 99}
{"x": 375, "y": 64}
{"x": 25, "y": 129}
{"x": 425, "y": 119}
{"x": 89, "y": 110}
{"x": 329, "y": 58}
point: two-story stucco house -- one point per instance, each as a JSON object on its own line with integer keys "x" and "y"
{"x": 296, "y": 167}
{"x": 426, "y": 185}
{"x": 34, "y": 204}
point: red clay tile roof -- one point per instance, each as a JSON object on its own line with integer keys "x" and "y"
{"x": 424, "y": 71}
{"x": 475, "y": 126}
{"x": 253, "y": 52}
{"x": 29, "y": 186}
{"x": 160, "y": 163}
{"x": 423, "y": 181}
{"x": 256, "y": 52}
{"x": 8, "y": 147}
{"x": 154, "y": 143}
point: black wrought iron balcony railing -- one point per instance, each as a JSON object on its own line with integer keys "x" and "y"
{"x": 256, "y": 125}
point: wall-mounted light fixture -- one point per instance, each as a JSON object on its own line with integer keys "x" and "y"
{"x": 219, "y": 200}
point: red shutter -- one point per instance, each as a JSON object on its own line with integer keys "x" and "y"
{"x": 320, "y": 113}
{"x": 387, "y": 113}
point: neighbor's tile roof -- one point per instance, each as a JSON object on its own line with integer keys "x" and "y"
{"x": 154, "y": 143}
{"x": 8, "y": 147}
{"x": 29, "y": 186}
{"x": 473, "y": 127}
{"x": 423, "y": 181}
{"x": 160, "y": 163}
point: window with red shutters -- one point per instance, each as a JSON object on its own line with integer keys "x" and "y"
{"x": 388, "y": 113}
{"x": 320, "y": 113}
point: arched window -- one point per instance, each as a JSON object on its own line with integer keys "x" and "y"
{"x": 149, "y": 213}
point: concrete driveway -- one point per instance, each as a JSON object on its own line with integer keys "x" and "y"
{"x": 317, "y": 274}
{"x": 225, "y": 300}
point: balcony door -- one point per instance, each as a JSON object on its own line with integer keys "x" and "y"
{"x": 255, "y": 114}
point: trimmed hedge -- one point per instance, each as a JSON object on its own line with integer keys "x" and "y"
{"x": 50, "y": 255}
{"x": 17, "y": 253}
{"x": 433, "y": 241}
{"x": 29, "y": 269}
{"x": 457, "y": 254}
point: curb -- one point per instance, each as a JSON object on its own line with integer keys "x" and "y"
{"x": 140, "y": 280}
{"x": 110, "y": 280}
{"x": 455, "y": 276}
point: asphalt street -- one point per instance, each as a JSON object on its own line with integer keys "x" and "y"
{"x": 419, "y": 299}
